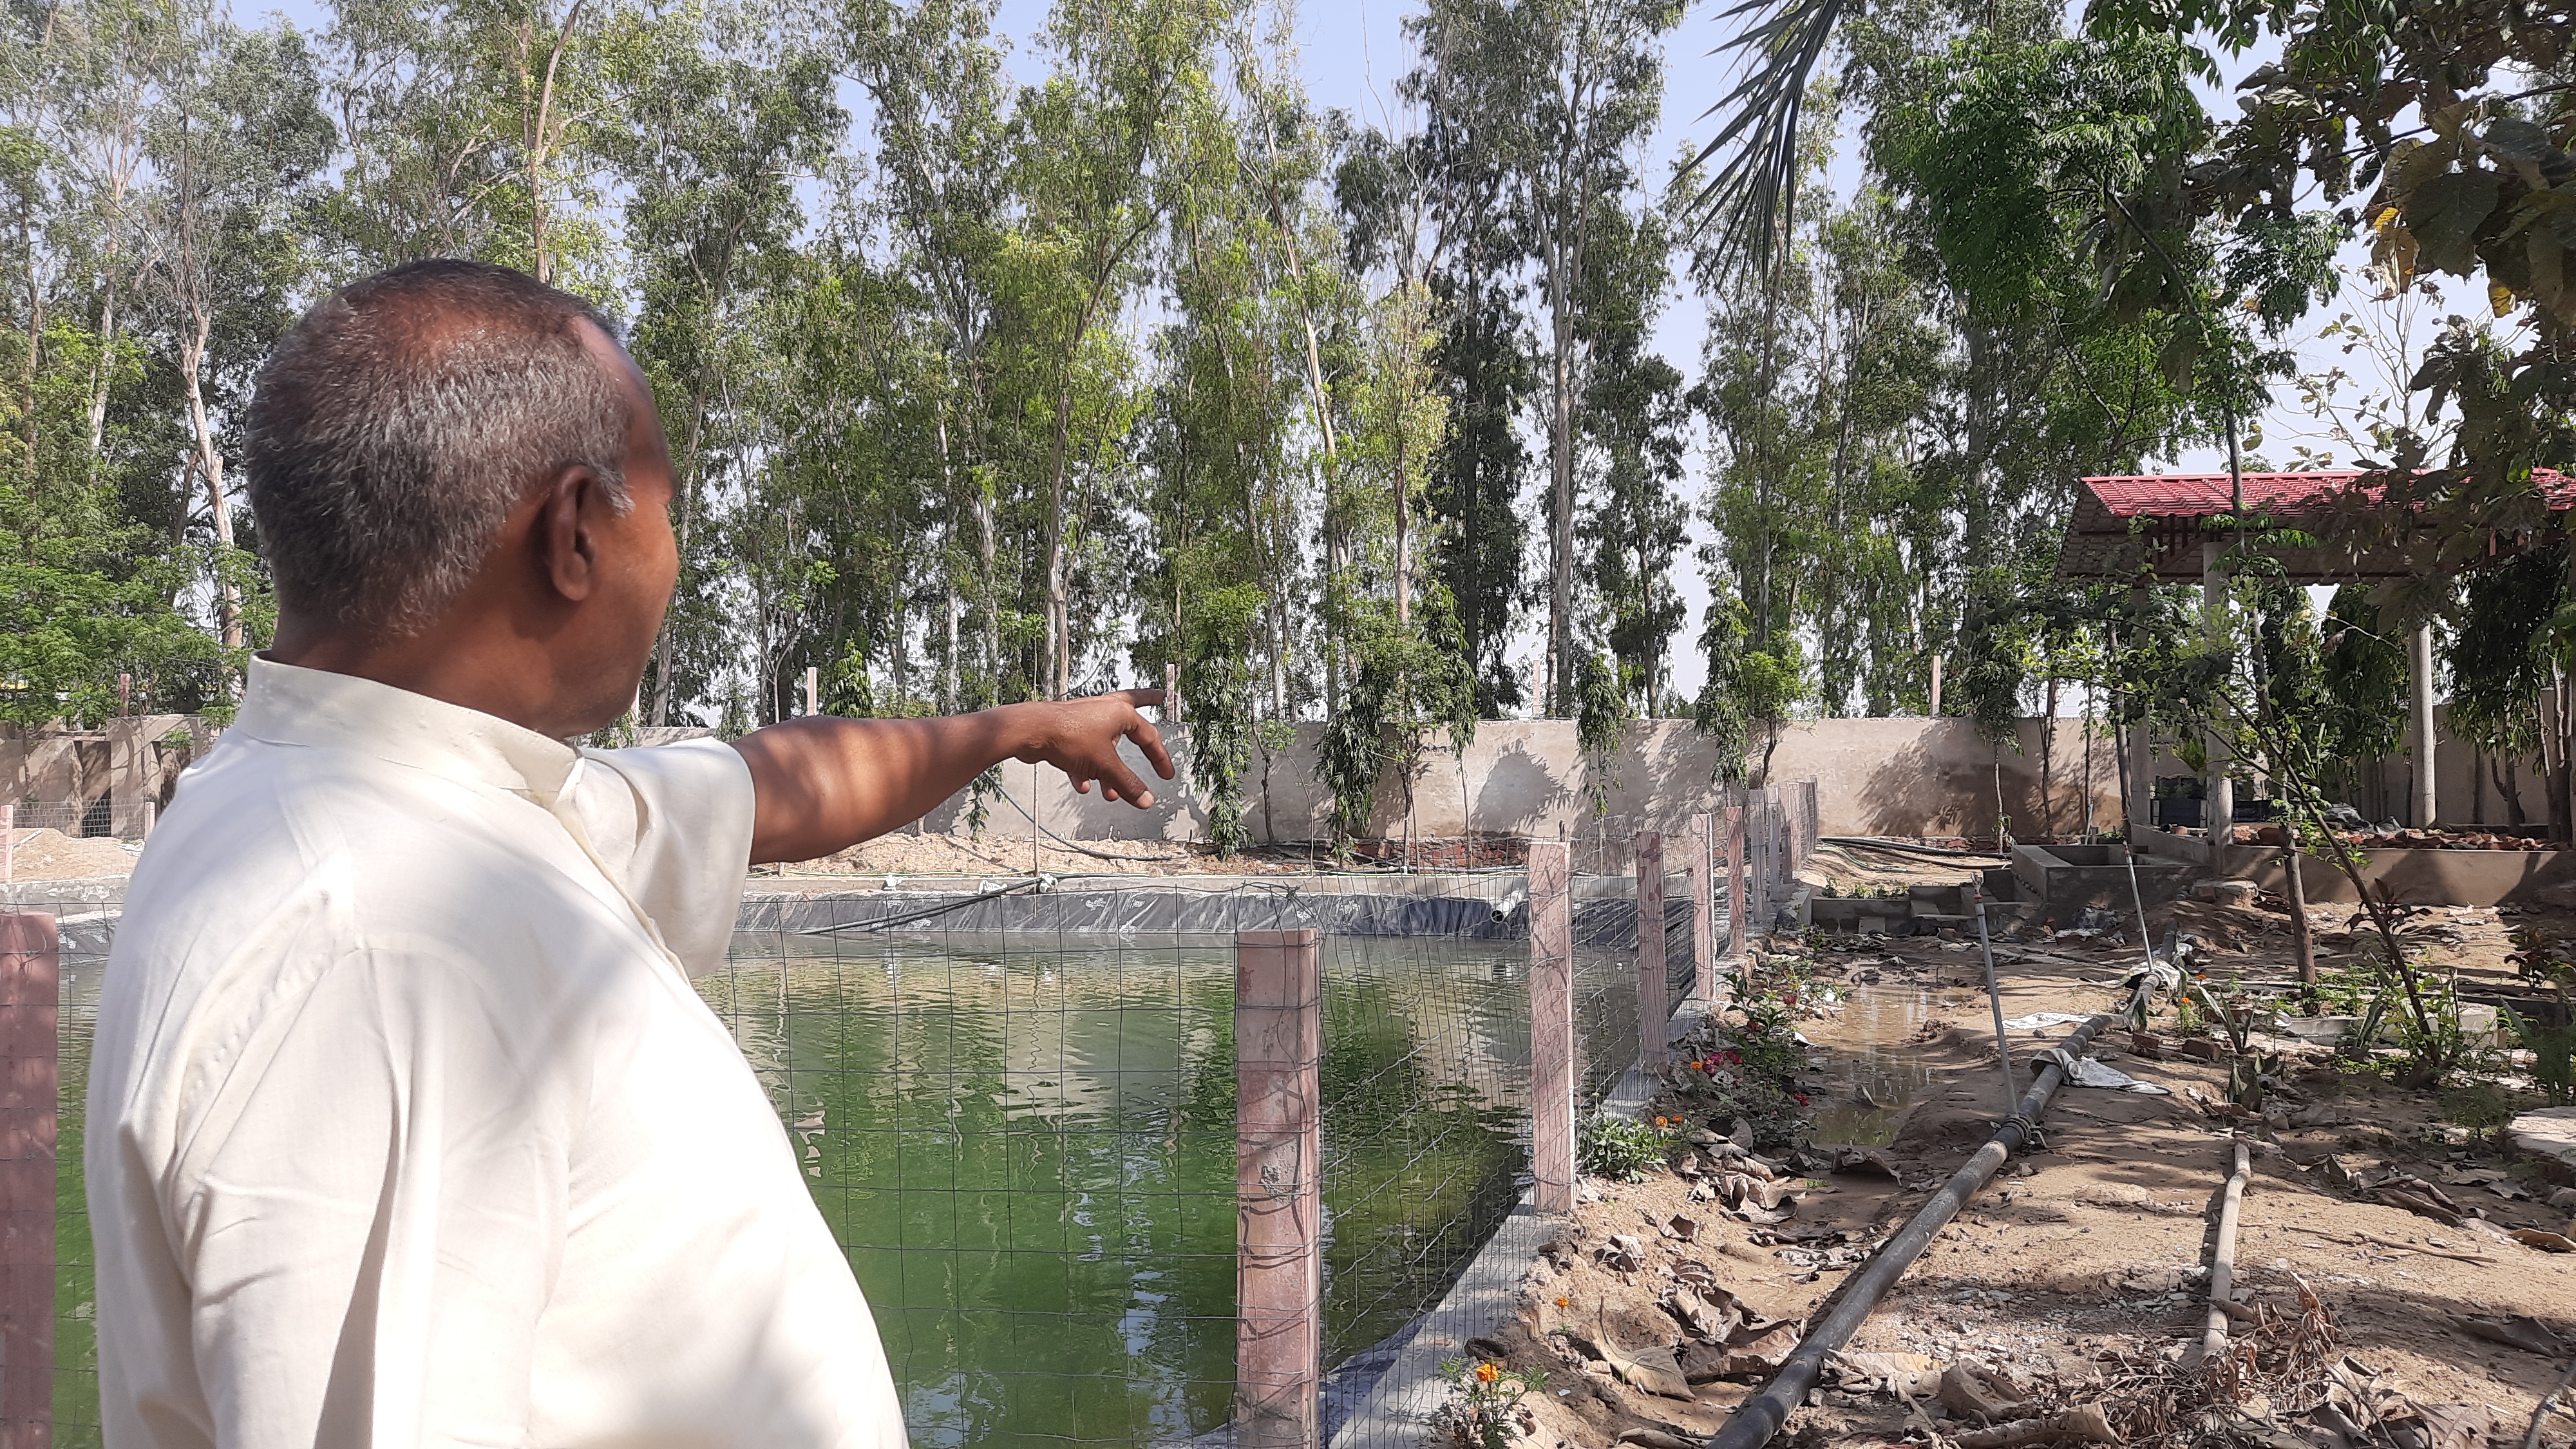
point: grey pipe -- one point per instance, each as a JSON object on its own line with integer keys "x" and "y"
{"x": 2222, "y": 1259}
{"x": 1761, "y": 1416}
{"x": 1995, "y": 999}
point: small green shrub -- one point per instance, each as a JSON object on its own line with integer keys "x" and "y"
{"x": 2553, "y": 1055}
{"x": 1618, "y": 1149}
{"x": 2479, "y": 1105}
{"x": 1483, "y": 1414}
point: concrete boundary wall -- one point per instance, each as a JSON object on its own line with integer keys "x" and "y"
{"x": 56, "y": 777}
{"x": 1904, "y": 777}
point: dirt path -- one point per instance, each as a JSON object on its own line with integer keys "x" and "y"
{"x": 2078, "y": 1271}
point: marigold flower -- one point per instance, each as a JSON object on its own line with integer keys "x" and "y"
{"x": 1486, "y": 1372}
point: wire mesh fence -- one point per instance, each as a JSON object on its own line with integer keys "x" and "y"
{"x": 1016, "y": 1103}
{"x": 1019, "y": 1113}
{"x": 71, "y": 817}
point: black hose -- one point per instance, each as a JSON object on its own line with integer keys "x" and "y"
{"x": 1907, "y": 847}
{"x": 926, "y": 912}
{"x": 1761, "y": 1416}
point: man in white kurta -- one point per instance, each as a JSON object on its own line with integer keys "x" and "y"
{"x": 421, "y": 1088}
{"x": 406, "y": 1125}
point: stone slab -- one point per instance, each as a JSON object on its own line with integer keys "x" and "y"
{"x": 2550, "y": 1135}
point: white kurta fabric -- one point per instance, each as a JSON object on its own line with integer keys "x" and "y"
{"x": 406, "y": 1126}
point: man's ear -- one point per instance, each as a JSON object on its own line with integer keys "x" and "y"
{"x": 567, "y": 547}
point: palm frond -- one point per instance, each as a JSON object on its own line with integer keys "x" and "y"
{"x": 1747, "y": 202}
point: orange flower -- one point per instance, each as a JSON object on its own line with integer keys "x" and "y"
{"x": 1486, "y": 1373}
{"x": 1565, "y": 1303}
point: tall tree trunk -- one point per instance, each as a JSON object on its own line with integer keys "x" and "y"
{"x": 100, "y": 369}
{"x": 210, "y": 466}
{"x": 534, "y": 133}
{"x": 1560, "y": 611}
{"x": 661, "y": 714}
{"x": 35, "y": 332}
{"x": 2303, "y": 938}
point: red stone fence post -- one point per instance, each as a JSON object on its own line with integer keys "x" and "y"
{"x": 1654, "y": 987}
{"x": 30, "y": 1078}
{"x": 1551, "y": 987}
{"x": 1278, "y": 1163}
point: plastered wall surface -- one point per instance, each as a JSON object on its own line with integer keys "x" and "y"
{"x": 1907, "y": 777}
{"x": 1901, "y": 777}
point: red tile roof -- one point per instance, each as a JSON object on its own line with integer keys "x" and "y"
{"x": 2128, "y": 522}
{"x": 2199, "y": 495}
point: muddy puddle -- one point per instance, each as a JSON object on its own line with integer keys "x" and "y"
{"x": 1866, "y": 1064}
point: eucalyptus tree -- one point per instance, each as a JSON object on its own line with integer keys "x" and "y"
{"x": 1090, "y": 138}
{"x": 827, "y": 534}
{"x": 468, "y": 127}
{"x": 110, "y": 63}
{"x": 728, "y": 114}
{"x": 1558, "y": 95}
{"x": 1434, "y": 207}
{"x": 1409, "y": 671}
{"x": 1231, "y": 470}
{"x": 1634, "y": 416}
{"x": 945, "y": 201}
{"x": 238, "y": 144}
{"x": 91, "y": 577}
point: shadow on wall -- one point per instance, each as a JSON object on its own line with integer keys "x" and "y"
{"x": 1518, "y": 794}
{"x": 1939, "y": 777}
{"x": 1530, "y": 777}
{"x": 1910, "y": 792}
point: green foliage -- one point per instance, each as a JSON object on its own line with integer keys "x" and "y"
{"x": 2502, "y": 658}
{"x": 2364, "y": 679}
{"x": 1616, "y": 1148}
{"x": 2480, "y": 1106}
{"x": 1483, "y": 1414}
{"x": 1600, "y": 712}
{"x": 2553, "y": 1055}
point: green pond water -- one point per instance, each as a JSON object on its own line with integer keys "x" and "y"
{"x": 1029, "y": 1156}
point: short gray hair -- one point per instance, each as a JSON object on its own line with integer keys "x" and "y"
{"x": 401, "y": 420}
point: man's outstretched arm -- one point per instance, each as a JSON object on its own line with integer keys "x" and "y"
{"x": 825, "y": 784}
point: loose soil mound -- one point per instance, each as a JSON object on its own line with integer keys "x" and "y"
{"x": 52, "y": 855}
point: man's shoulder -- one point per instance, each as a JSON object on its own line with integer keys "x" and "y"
{"x": 345, "y": 854}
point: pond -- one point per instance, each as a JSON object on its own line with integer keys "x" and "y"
{"x": 1029, "y": 1156}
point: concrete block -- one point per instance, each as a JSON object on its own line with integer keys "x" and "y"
{"x": 2549, "y": 1135}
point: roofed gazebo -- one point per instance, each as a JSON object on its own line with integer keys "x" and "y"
{"x": 2177, "y": 527}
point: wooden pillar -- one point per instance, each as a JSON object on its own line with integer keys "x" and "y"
{"x": 2218, "y": 788}
{"x": 1736, "y": 909}
{"x": 1703, "y": 861}
{"x": 2419, "y": 656}
{"x": 2141, "y": 742}
{"x": 126, "y": 790}
{"x": 30, "y": 1078}
{"x": 1654, "y": 987}
{"x": 1278, "y": 1159}
{"x": 1551, "y": 987}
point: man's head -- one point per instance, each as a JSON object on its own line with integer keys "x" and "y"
{"x": 446, "y": 461}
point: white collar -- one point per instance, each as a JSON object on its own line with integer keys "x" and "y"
{"x": 287, "y": 704}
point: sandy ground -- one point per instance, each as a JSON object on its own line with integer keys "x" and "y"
{"x": 2076, "y": 1274}
{"x": 52, "y": 855}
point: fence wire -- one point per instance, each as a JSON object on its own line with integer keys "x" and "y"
{"x": 1015, "y": 1106}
